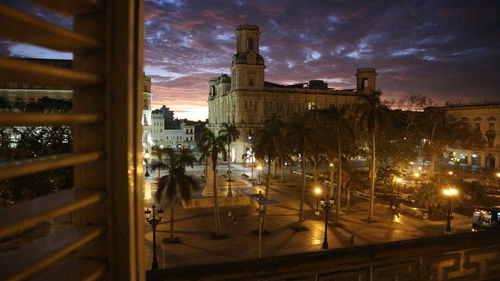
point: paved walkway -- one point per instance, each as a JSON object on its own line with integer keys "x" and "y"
{"x": 194, "y": 226}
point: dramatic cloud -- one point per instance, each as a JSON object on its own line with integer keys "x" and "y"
{"x": 446, "y": 49}
{"x": 443, "y": 49}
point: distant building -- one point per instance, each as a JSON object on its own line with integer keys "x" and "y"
{"x": 169, "y": 132}
{"x": 484, "y": 118}
{"x": 245, "y": 99}
{"x": 26, "y": 93}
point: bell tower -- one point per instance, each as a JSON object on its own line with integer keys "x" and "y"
{"x": 247, "y": 71}
{"x": 366, "y": 81}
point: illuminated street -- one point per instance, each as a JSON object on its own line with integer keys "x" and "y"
{"x": 194, "y": 226}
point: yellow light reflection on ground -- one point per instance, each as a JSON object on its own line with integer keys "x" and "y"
{"x": 147, "y": 190}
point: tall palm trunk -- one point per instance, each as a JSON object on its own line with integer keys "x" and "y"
{"x": 171, "y": 220}
{"x": 229, "y": 189}
{"x": 282, "y": 169}
{"x": 303, "y": 196}
{"x": 216, "y": 200}
{"x": 339, "y": 184}
{"x": 433, "y": 164}
{"x": 373, "y": 177}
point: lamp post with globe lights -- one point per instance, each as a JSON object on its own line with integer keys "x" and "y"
{"x": 327, "y": 205}
{"x": 449, "y": 192}
{"x": 154, "y": 219}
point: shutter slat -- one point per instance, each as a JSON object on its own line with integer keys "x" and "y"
{"x": 20, "y": 27}
{"x": 46, "y": 119}
{"x": 70, "y": 8}
{"x": 30, "y": 213}
{"x": 36, "y": 256}
{"x": 72, "y": 268}
{"x": 31, "y": 166}
{"x": 22, "y": 71}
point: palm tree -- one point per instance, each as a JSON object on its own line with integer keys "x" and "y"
{"x": 211, "y": 146}
{"x": 340, "y": 131}
{"x": 372, "y": 116}
{"x": 265, "y": 144}
{"x": 249, "y": 159}
{"x": 230, "y": 134}
{"x": 158, "y": 164}
{"x": 301, "y": 132}
{"x": 176, "y": 184}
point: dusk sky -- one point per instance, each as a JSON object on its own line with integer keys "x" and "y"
{"x": 447, "y": 50}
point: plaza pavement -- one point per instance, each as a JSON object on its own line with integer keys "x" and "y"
{"x": 194, "y": 226}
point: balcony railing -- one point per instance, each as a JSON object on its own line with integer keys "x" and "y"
{"x": 465, "y": 256}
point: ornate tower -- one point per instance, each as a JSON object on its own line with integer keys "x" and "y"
{"x": 247, "y": 71}
{"x": 366, "y": 80}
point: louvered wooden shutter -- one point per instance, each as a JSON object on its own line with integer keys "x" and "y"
{"x": 106, "y": 239}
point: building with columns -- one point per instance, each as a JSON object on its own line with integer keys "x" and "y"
{"x": 246, "y": 100}
{"x": 484, "y": 118}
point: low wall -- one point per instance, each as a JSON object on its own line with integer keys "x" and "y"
{"x": 464, "y": 256}
{"x": 207, "y": 202}
{"x": 412, "y": 211}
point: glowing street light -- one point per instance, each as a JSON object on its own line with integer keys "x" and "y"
{"x": 498, "y": 175}
{"x": 317, "y": 192}
{"x": 449, "y": 192}
{"x": 450, "y": 173}
{"x": 259, "y": 168}
{"x": 398, "y": 183}
{"x": 416, "y": 175}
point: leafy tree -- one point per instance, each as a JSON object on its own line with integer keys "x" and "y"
{"x": 230, "y": 134}
{"x": 210, "y": 147}
{"x": 373, "y": 115}
{"x": 20, "y": 143}
{"x": 176, "y": 184}
{"x": 442, "y": 131}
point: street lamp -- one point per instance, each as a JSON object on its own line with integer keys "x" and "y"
{"x": 259, "y": 168}
{"x": 327, "y": 205}
{"x": 498, "y": 175}
{"x": 416, "y": 175}
{"x": 153, "y": 220}
{"x": 317, "y": 191}
{"x": 449, "y": 192}
{"x": 146, "y": 157}
{"x": 450, "y": 173}
{"x": 398, "y": 183}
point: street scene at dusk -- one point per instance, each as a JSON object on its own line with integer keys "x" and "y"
{"x": 219, "y": 140}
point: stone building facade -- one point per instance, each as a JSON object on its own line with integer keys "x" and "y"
{"x": 245, "y": 99}
{"x": 484, "y": 118}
